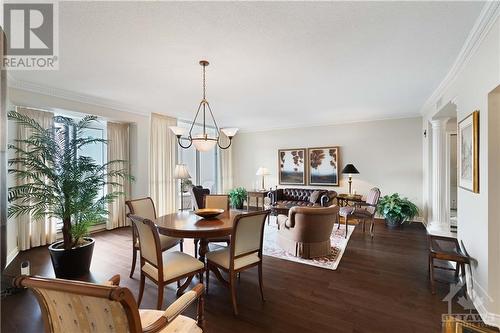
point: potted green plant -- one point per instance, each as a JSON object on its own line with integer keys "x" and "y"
{"x": 396, "y": 210}
{"x": 237, "y": 196}
{"x": 60, "y": 183}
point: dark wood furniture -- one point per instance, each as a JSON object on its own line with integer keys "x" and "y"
{"x": 258, "y": 195}
{"x": 362, "y": 211}
{"x": 344, "y": 199}
{"x": 245, "y": 252}
{"x": 73, "y": 306}
{"x": 446, "y": 249}
{"x": 189, "y": 225}
{"x": 145, "y": 207}
{"x": 162, "y": 269}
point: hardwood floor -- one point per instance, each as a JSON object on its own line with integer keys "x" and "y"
{"x": 380, "y": 286}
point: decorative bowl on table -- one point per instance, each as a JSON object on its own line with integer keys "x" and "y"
{"x": 208, "y": 213}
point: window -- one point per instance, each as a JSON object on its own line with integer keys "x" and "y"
{"x": 97, "y": 151}
{"x": 202, "y": 166}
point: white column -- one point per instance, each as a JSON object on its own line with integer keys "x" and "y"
{"x": 439, "y": 221}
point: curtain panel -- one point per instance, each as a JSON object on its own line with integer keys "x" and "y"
{"x": 163, "y": 158}
{"x": 225, "y": 169}
{"x": 118, "y": 149}
{"x": 31, "y": 232}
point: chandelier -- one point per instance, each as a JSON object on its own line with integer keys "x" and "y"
{"x": 203, "y": 141}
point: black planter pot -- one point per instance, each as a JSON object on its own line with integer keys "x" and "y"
{"x": 393, "y": 223}
{"x": 71, "y": 263}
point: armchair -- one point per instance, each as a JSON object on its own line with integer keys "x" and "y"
{"x": 73, "y": 306}
{"x": 306, "y": 231}
{"x": 362, "y": 211}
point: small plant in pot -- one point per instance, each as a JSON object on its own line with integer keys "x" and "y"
{"x": 56, "y": 181}
{"x": 237, "y": 196}
{"x": 396, "y": 210}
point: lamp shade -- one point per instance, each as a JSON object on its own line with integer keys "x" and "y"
{"x": 229, "y": 132}
{"x": 181, "y": 172}
{"x": 350, "y": 169}
{"x": 262, "y": 172}
{"x": 178, "y": 131}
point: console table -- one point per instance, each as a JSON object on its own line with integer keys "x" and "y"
{"x": 344, "y": 199}
{"x": 257, "y": 195}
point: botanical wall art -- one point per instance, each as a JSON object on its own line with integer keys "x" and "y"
{"x": 291, "y": 163}
{"x": 468, "y": 152}
{"x": 324, "y": 166}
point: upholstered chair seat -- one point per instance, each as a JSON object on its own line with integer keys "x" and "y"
{"x": 355, "y": 211}
{"x": 176, "y": 264}
{"x": 306, "y": 231}
{"x": 180, "y": 324}
{"x": 222, "y": 257}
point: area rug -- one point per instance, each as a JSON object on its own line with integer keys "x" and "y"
{"x": 331, "y": 261}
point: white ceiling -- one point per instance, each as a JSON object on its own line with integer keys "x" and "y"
{"x": 273, "y": 64}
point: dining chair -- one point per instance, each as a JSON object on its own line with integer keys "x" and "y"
{"x": 161, "y": 267}
{"x": 74, "y": 306}
{"x": 362, "y": 211}
{"x": 218, "y": 201}
{"x": 244, "y": 252}
{"x": 145, "y": 207}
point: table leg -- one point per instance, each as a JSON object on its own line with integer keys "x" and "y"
{"x": 248, "y": 203}
{"x": 203, "y": 249}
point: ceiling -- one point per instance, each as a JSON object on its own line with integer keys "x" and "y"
{"x": 273, "y": 64}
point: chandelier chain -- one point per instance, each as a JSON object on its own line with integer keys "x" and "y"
{"x": 204, "y": 84}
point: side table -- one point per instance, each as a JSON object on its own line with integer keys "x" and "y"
{"x": 257, "y": 195}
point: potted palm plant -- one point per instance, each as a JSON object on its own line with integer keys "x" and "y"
{"x": 58, "y": 182}
{"x": 396, "y": 210}
{"x": 237, "y": 196}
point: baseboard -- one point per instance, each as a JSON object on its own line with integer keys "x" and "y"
{"x": 11, "y": 256}
{"x": 489, "y": 318}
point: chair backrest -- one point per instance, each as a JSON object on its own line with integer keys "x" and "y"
{"x": 144, "y": 207}
{"x": 312, "y": 224}
{"x": 149, "y": 241}
{"x": 372, "y": 199}
{"x": 220, "y": 201}
{"x": 248, "y": 234}
{"x": 73, "y": 306}
{"x": 197, "y": 193}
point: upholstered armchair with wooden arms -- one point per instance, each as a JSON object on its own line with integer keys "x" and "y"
{"x": 145, "y": 207}
{"x": 306, "y": 231}
{"x": 162, "y": 268}
{"x": 74, "y": 306}
{"x": 362, "y": 211}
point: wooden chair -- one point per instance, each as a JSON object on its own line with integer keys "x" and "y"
{"x": 245, "y": 252}
{"x": 220, "y": 201}
{"x": 145, "y": 207}
{"x": 446, "y": 249}
{"x": 73, "y": 306}
{"x": 362, "y": 211}
{"x": 161, "y": 267}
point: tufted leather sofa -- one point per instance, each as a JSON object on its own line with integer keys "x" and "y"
{"x": 301, "y": 197}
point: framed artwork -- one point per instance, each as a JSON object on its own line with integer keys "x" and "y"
{"x": 323, "y": 166}
{"x": 468, "y": 152}
{"x": 291, "y": 166}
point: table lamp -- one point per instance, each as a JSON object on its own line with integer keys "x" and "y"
{"x": 350, "y": 169}
{"x": 262, "y": 172}
{"x": 181, "y": 172}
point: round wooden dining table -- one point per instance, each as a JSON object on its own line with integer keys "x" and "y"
{"x": 187, "y": 224}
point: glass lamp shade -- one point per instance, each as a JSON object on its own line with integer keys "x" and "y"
{"x": 178, "y": 131}
{"x": 229, "y": 132}
{"x": 262, "y": 172}
{"x": 203, "y": 144}
{"x": 181, "y": 172}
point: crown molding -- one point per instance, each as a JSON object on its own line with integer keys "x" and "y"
{"x": 489, "y": 14}
{"x": 13, "y": 83}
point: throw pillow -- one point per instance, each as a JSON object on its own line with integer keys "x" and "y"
{"x": 315, "y": 196}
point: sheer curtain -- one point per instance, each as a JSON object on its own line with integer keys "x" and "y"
{"x": 225, "y": 169}
{"x": 163, "y": 146}
{"x": 33, "y": 232}
{"x": 118, "y": 149}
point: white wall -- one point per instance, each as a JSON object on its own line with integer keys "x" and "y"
{"x": 139, "y": 139}
{"x": 477, "y": 229}
{"x": 387, "y": 153}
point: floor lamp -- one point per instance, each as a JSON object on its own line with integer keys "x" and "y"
{"x": 350, "y": 169}
{"x": 181, "y": 172}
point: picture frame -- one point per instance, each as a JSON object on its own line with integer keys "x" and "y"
{"x": 323, "y": 166}
{"x": 292, "y": 166}
{"x": 468, "y": 152}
